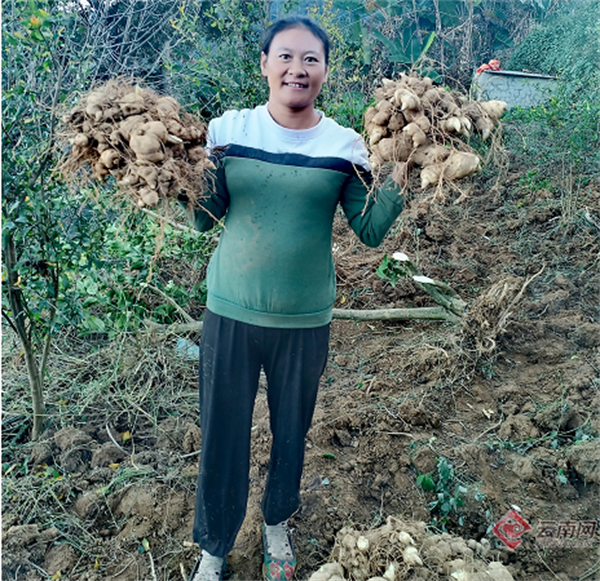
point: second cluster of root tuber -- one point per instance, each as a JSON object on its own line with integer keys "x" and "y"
{"x": 420, "y": 124}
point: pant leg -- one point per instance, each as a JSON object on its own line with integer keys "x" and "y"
{"x": 294, "y": 361}
{"x": 229, "y": 371}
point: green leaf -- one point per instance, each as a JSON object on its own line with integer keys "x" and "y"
{"x": 425, "y": 481}
{"x": 93, "y": 323}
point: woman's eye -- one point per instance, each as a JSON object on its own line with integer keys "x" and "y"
{"x": 284, "y": 56}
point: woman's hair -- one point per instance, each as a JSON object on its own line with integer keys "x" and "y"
{"x": 295, "y": 22}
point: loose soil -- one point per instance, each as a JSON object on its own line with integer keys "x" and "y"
{"x": 108, "y": 491}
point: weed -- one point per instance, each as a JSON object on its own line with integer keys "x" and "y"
{"x": 449, "y": 491}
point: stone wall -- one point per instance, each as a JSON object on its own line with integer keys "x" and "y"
{"x": 516, "y": 88}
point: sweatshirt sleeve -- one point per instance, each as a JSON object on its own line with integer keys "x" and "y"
{"x": 212, "y": 205}
{"x": 371, "y": 213}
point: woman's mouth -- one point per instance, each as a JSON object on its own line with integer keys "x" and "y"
{"x": 296, "y": 85}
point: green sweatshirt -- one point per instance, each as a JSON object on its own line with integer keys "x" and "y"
{"x": 278, "y": 190}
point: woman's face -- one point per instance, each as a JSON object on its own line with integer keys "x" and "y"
{"x": 295, "y": 68}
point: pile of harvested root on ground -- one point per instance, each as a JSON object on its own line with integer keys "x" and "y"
{"x": 401, "y": 550}
{"x": 153, "y": 148}
{"x": 420, "y": 124}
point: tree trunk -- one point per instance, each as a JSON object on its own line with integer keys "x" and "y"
{"x": 17, "y": 305}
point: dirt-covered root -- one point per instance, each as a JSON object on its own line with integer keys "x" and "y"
{"x": 407, "y": 550}
{"x": 488, "y": 316}
{"x": 422, "y": 125}
{"x": 153, "y": 148}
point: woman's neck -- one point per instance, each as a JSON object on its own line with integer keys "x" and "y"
{"x": 293, "y": 118}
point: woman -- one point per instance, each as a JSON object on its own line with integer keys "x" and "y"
{"x": 281, "y": 171}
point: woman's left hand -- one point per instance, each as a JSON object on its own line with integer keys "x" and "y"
{"x": 400, "y": 173}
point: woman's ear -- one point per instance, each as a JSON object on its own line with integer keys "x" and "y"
{"x": 263, "y": 64}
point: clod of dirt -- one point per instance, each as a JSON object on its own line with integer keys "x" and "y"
{"x": 192, "y": 440}
{"x": 20, "y": 535}
{"x": 587, "y": 335}
{"x": 68, "y": 438}
{"x": 87, "y": 505}
{"x": 74, "y": 460}
{"x": 558, "y": 416}
{"x": 60, "y": 558}
{"x": 424, "y": 460}
{"x": 171, "y": 433}
{"x": 137, "y": 501}
{"x": 585, "y": 458}
{"x": 523, "y": 468}
{"x": 106, "y": 455}
{"x": 26, "y": 541}
{"x": 145, "y": 141}
{"x": 517, "y": 428}
{"x": 41, "y": 453}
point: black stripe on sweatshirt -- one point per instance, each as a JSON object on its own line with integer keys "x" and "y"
{"x": 296, "y": 159}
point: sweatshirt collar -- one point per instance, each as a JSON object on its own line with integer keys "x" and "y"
{"x": 292, "y": 135}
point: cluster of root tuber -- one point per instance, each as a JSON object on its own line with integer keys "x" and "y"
{"x": 145, "y": 141}
{"x": 422, "y": 125}
{"x": 401, "y": 550}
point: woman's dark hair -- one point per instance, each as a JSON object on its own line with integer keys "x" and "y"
{"x": 295, "y": 22}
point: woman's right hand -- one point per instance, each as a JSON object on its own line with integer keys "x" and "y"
{"x": 400, "y": 173}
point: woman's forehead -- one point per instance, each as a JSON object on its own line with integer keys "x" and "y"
{"x": 298, "y": 38}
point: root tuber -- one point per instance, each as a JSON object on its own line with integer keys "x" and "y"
{"x": 416, "y": 122}
{"x": 145, "y": 141}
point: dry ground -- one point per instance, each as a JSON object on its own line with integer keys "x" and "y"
{"x": 519, "y": 424}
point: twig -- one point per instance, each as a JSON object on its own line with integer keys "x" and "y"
{"x": 593, "y": 569}
{"x": 115, "y": 442}
{"x": 152, "y": 569}
{"x": 191, "y": 327}
{"x": 172, "y": 223}
{"x": 167, "y": 298}
{"x": 426, "y": 313}
{"x": 398, "y": 434}
{"x": 182, "y": 571}
{"x": 420, "y": 313}
{"x": 191, "y": 454}
{"x": 488, "y": 430}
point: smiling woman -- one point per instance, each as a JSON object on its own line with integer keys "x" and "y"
{"x": 295, "y": 65}
{"x": 281, "y": 169}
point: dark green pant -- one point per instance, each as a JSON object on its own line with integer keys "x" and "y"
{"x": 231, "y": 357}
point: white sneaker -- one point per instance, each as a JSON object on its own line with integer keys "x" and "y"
{"x": 208, "y": 568}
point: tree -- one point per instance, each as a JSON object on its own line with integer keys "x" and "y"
{"x": 52, "y": 53}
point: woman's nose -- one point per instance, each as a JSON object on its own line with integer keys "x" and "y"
{"x": 297, "y": 68}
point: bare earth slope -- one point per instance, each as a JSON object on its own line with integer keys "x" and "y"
{"x": 519, "y": 425}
